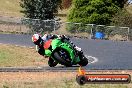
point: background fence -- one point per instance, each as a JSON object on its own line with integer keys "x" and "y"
{"x": 25, "y": 25}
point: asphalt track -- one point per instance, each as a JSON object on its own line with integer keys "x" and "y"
{"x": 111, "y": 55}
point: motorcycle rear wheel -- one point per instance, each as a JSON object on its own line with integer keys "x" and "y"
{"x": 61, "y": 60}
{"x": 52, "y": 63}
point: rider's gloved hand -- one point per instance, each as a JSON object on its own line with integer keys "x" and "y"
{"x": 64, "y": 37}
{"x": 59, "y": 36}
{"x": 45, "y": 56}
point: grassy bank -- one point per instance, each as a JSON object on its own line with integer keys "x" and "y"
{"x": 11, "y": 55}
{"x": 10, "y": 8}
{"x": 49, "y": 80}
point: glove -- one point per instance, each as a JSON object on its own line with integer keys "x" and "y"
{"x": 64, "y": 37}
{"x": 45, "y": 56}
{"x": 59, "y": 36}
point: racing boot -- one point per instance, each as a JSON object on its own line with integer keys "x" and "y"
{"x": 78, "y": 50}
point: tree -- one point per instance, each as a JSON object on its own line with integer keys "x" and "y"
{"x": 66, "y": 3}
{"x": 120, "y": 3}
{"x": 93, "y": 11}
{"x": 122, "y": 18}
{"x": 40, "y": 9}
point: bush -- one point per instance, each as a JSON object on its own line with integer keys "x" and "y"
{"x": 78, "y": 27}
{"x": 122, "y": 18}
{"x": 97, "y": 12}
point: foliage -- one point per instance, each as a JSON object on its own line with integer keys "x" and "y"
{"x": 40, "y": 26}
{"x": 120, "y": 3}
{"x": 78, "y": 27}
{"x": 92, "y": 11}
{"x": 98, "y": 12}
{"x": 40, "y": 9}
{"x": 122, "y": 18}
{"x": 66, "y": 3}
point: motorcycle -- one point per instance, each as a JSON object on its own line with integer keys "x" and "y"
{"x": 62, "y": 52}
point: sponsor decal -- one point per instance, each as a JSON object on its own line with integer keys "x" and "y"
{"x": 83, "y": 78}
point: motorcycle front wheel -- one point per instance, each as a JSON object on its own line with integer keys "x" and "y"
{"x": 83, "y": 61}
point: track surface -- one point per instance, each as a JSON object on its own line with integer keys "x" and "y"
{"x": 111, "y": 54}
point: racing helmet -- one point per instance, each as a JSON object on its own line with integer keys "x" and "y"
{"x": 37, "y": 40}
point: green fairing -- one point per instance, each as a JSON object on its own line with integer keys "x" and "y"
{"x": 55, "y": 43}
{"x": 58, "y": 43}
{"x": 71, "y": 51}
{"x": 48, "y": 52}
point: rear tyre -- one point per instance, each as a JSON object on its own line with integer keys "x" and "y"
{"x": 61, "y": 60}
{"x": 84, "y": 61}
{"x": 52, "y": 63}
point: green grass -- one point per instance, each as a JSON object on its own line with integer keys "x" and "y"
{"x": 4, "y": 56}
{"x": 18, "y": 56}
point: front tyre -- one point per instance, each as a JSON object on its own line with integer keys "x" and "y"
{"x": 83, "y": 61}
{"x": 61, "y": 60}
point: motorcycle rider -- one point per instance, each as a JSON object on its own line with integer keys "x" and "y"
{"x": 39, "y": 40}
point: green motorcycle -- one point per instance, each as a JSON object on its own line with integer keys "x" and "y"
{"x": 62, "y": 52}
